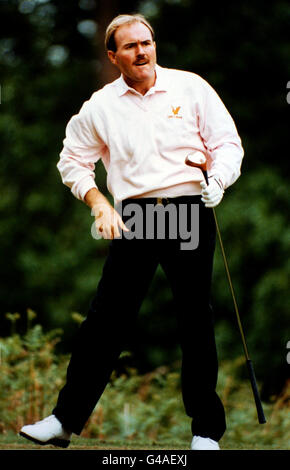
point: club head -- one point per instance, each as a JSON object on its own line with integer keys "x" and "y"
{"x": 196, "y": 160}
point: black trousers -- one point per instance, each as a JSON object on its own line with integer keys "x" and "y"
{"x": 127, "y": 274}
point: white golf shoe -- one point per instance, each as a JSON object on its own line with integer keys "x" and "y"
{"x": 204, "y": 443}
{"x": 47, "y": 431}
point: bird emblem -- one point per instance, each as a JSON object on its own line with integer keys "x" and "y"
{"x": 175, "y": 110}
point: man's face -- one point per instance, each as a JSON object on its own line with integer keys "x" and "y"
{"x": 135, "y": 56}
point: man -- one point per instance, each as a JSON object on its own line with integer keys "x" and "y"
{"x": 142, "y": 126}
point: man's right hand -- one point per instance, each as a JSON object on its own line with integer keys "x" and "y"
{"x": 108, "y": 221}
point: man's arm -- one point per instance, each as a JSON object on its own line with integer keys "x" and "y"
{"x": 94, "y": 198}
{"x": 82, "y": 149}
{"x": 108, "y": 221}
{"x": 220, "y": 137}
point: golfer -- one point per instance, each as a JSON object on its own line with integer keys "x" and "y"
{"x": 142, "y": 126}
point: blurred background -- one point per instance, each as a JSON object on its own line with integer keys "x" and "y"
{"x": 51, "y": 60}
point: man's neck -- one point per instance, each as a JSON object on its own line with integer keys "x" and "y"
{"x": 142, "y": 87}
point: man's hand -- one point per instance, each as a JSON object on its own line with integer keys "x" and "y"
{"x": 108, "y": 221}
{"x": 212, "y": 193}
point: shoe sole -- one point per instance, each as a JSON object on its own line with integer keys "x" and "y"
{"x": 55, "y": 442}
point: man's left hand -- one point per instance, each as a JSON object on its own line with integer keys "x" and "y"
{"x": 212, "y": 193}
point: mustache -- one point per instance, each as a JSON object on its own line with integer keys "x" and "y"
{"x": 140, "y": 58}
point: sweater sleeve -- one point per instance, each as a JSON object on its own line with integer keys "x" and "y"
{"x": 82, "y": 148}
{"x": 220, "y": 137}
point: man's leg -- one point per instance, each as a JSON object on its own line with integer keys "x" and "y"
{"x": 189, "y": 273}
{"x": 127, "y": 273}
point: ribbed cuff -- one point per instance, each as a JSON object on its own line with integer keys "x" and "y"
{"x": 219, "y": 180}
{"x": 81, "y": 188}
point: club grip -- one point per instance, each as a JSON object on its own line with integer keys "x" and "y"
{"x": 260, "y": 412}
{"x": 205, "y": 176}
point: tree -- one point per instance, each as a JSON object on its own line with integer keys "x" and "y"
{"x": 52, "y": 59}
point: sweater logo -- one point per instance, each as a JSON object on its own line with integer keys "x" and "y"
{"x": 175, "y": 112}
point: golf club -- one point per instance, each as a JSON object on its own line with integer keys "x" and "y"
{"x": 198, "y": 160}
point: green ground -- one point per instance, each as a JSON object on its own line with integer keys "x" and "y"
{"x": 136, "y": 411}
{"x": 14, "y": 442}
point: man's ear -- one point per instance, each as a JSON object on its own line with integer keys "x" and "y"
{"x": 112, "y": 56}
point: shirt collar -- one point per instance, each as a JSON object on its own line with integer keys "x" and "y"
{"x": 160, "y": 83}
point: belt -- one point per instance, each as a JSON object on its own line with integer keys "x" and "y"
{"x": 164, "y": 200}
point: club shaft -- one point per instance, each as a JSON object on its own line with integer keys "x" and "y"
{"x": 259, "y": 408}
{"x": 231, "y": 288}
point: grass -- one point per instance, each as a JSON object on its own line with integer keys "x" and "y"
{"x": 136, "y": 411}
{"x": 14, "y": 442}
{"x": 243, "y": 433}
